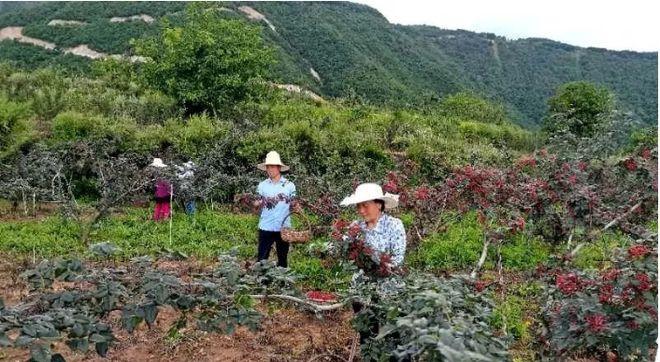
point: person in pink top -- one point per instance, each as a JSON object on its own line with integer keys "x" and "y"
{"x": 162, "y": 193}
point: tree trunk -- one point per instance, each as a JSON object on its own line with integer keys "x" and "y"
{"x": 482, "y": 259}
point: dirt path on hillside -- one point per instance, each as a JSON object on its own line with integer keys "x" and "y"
{"x": 16, "y": 33}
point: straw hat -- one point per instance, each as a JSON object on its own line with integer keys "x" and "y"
{"x": 368, "y": 192}
{"x": 273, "y": 159}
{"x": 157, "y": 162}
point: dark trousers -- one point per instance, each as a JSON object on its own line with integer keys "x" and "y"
{"x": 266, "y": 240}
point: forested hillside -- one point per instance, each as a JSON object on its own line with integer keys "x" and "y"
{"x": 351, "y": 51}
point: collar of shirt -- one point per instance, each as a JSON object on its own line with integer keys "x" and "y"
{"x": 282, "y": 181}
{"x": 379, "y": 224}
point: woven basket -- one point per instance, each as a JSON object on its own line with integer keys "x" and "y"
{"x": 296, "y": 236}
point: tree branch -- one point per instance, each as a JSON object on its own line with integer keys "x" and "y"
{"x": 609, "y": 225}
{"x": 315, "y": 307}
{"x": 482, "y": 259}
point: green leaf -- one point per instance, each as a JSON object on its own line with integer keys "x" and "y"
{"x": 97, "y": 338}
{"x": 101, "y": 348}
{"x": 23, "y": 341}
{"x": 184, "y": 302}
{"x": 79, "y": 344}
{"x": 30, "y": 330}
{"x": 229, "y": 328}
{"x": 131, "y": 319}
{"x": 4, "y": 340}
{"x": 40, "y": 352}
{"x": 78, "y": 330}
{"x": 104, "y": 250}
{"x": 150, "y": 313}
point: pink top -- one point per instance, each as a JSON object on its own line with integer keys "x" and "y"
{"x": 163, "y": 189}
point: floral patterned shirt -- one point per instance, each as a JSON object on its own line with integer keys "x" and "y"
{"x": 388, "y": 236}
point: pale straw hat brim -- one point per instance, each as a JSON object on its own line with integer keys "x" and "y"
{"x": 273, "y": 159}
{"x": 369, "y": 192}
{"x": 158, "y": 163}
{"x": 262, "y": 166}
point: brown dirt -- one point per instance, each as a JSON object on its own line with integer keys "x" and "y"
{"x": 12, "y": 288}
{"x": 84, "y": 50}
{"x": 285, "y": 334}
{"x": 142, "y": 17}
{"x": 16, "y": 33}
{"x": 61, "y": 22}
{"x": 42, "y": 210}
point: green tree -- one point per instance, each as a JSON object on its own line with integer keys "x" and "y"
{"x": 579, "y": 108}
{"x": 209, "y": 63}
{"x": 468, "y": 106}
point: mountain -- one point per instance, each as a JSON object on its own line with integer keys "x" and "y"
{"x": 341, "y": 49}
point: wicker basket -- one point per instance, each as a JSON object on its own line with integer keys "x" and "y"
{"x": 296, "y": 236}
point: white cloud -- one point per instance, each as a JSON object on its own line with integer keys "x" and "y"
{"x": 618, "y": 25}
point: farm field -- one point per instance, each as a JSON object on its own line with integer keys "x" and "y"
{"x": 130, "y": 206}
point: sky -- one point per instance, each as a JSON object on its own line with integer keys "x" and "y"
{"x": 616, "y": 25}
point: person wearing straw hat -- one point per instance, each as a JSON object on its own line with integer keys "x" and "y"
{"x": 277, "y": 197}
{"x": 162, "y": 192}
{"x": 383, "y": 233}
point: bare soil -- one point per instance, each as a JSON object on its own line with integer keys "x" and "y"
{"x": 285, "y": 334}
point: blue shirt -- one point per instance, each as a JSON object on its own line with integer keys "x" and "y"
{"x": 271, "y": 219}
{"x": 388, "y": 236}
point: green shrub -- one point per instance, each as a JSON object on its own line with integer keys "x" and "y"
{"x": 204, "y": 235}
{"x": 48, "y": 237}
{"x": 194, "y": 135}
{"x": 207, "y": 64}
{"x": 524, "y": 253}
{"x": 458, "y": 247}
{"x": 15, "y": 126}
{"x": 470, "y": 107}
{"x": 314, "y": 275}
{"x": 509, "y": 315}
{"x": 597, "y": 254}
{"x": 73, "y": 126}
{"x": 579, "y": 107}
{"x": 150, "y": 107}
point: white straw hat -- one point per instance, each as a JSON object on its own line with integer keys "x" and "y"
{"x": 371, "y": 191}
{"x": 157, "y": 162}
{"x": 273, "y": 159}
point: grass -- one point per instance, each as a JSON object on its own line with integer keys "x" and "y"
{"x": 209, "y": 233}
{"x": 205, "y": 235}
{"x": 596, "y": 255}
{"x": 515, "y": 313}
{"x": 460, "y": 246}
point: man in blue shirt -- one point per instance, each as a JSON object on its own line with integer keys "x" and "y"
{"x": 277, "y": 196}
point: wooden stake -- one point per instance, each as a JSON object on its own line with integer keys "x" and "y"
{"x": 171, "y": 212}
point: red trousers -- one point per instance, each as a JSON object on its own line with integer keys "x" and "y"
{"x": 162, "y": 210}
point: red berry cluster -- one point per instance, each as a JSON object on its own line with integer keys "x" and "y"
{"x": 630, "y": 164}
{"x": 568, "y": 283}
{"x": 638, "y": 251}
{"x": 597, "y": 322}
